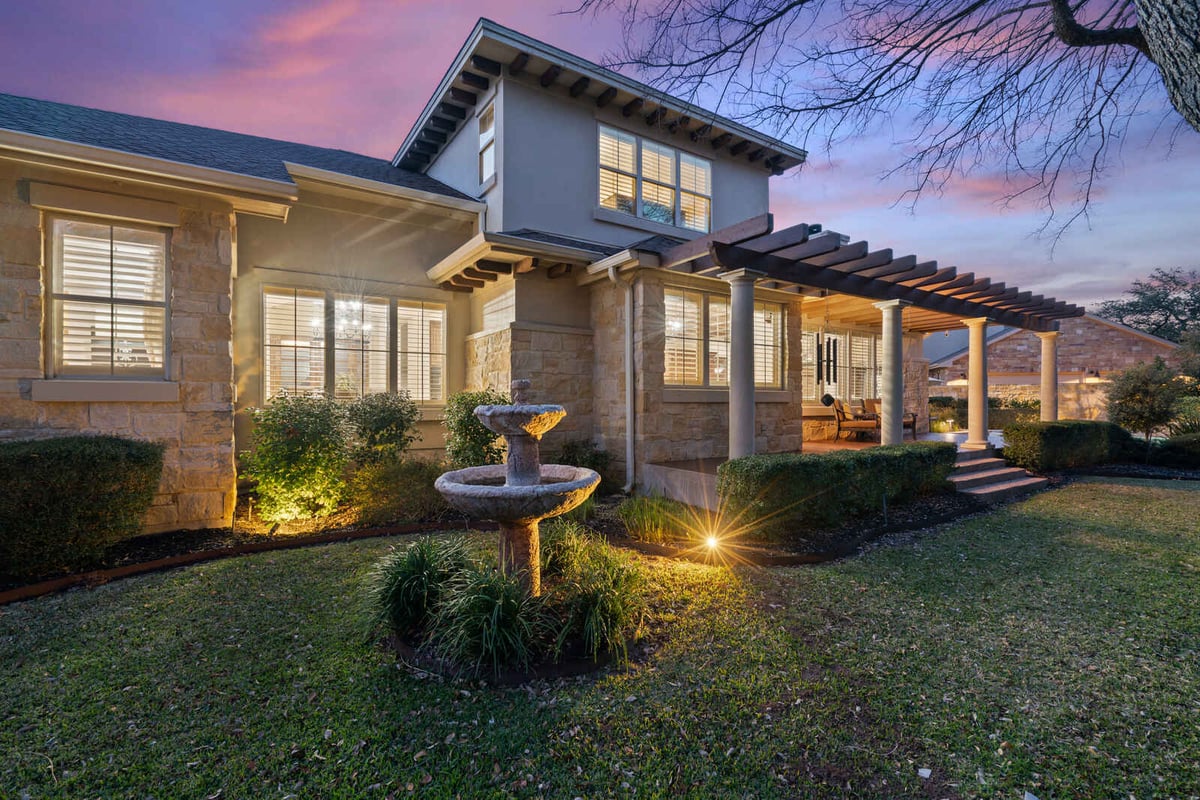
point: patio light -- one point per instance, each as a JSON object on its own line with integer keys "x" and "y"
{"x": 712, "y": 542}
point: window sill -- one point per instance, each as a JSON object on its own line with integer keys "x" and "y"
{"x": 630, "y": 221}
{"x": 487, "y": 185}
{"x": 721, "y": 395}
{"x": 66, "y": 390}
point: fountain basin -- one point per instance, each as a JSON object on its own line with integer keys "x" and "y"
{"x": 520, "y": 420}
{"x": 481, "y": 493}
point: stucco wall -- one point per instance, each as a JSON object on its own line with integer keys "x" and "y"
{"x": 551, "y": 167}
{"x": 347, "y": 246}
{"x": 198, "y": 484}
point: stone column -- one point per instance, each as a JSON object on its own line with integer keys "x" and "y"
{"x": 977, "y": 389}
{"x": 741, "y": 361}
{"x": 891, "y": 392}
{"x": 1049, "y": 395}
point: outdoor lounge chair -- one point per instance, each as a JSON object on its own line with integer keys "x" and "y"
{"x": 874, "y": 408}
{"x": 850, "y": 422}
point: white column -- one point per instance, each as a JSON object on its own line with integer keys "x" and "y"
{"x": 741, "y": 361}
{"x": 1049, "y": 375}
{"x": 977, "y": 389}
{"x": 891, "y": 393}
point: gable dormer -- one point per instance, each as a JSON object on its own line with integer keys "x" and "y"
{"x": 556, "y": 143}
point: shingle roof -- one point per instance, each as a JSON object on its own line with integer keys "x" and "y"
{"x": 563, "y": 241}
{"x": 255, "y": 156}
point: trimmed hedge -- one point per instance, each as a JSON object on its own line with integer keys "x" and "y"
{"x": 782, "y": 497}
{"x": 66, "y": 499}
{"x": 1048, "y": 446}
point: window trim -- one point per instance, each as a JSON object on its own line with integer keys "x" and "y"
{"x": 52, "y": 337}
{"x": 640, "y": 180}
{"x": 490, "y": 108}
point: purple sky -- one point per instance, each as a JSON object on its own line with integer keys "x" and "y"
{"x": 355, "y": 73}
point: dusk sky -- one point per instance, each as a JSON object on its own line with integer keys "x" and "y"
{"x": 354, "y": 74}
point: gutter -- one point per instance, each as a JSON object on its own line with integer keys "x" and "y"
{"x": 303, "y": 172}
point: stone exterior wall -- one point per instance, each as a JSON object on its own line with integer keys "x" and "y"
{"x": 198, "y": 483}
{"x": 680, "y": 424}
{"x": 608, "y": 372}
{"x": 489, "y": 361}
{"x": 916, "y": 380}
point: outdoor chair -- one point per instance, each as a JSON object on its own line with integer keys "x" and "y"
{"x": 850, "y": 422}
{"x": 874, "y": 408}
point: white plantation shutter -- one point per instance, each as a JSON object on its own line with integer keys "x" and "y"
{"x": 293, "y": 342}
{"x": 684, "y": 344}
{"x": 109, "y": 304}
{"x": 421, "y": 350}
{"x": 618, "y": 150}
{"x": 768, "y": 345}
{"x": 718, "y": 341}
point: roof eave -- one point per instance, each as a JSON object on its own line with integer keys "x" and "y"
{"x": 302, "y": 173}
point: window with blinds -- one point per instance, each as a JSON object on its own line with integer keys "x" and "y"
{"x": 653, "y": 181}
{"x": 697, "y": 336}
{"x": 378, "y": 344}
{"x": 421, "y": 351}
{"x": 108, "y": 300}
{"x": 361, "y": 341}
{"x": 293, "y": 342}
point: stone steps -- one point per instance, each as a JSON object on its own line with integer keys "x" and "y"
{"x": 980, "y": 473}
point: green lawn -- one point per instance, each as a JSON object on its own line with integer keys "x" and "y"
{"x": 1050, "y": 647}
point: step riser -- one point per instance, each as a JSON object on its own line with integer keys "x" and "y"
{"x": 981, "y": 465}
{"x": 988, "y": 478}
{"x": 973, "y": 455}
{"x": 998, "y": 494}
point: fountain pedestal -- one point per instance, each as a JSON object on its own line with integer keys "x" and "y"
{"x": 522, "y": 492}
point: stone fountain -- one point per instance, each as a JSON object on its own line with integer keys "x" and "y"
{"x": 522, "y": 492}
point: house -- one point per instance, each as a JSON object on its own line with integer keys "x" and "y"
{"x": 1090, "y": 350}
{"x": 543, "y": 218}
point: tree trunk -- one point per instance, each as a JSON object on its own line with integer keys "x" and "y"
{"x": 1172, "y": 31}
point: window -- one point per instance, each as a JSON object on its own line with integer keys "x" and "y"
{"x": 487, "y": 144}
{"x": 697, "y": 332}
{"x": 855, "y": 373}
{"x": 108, "y": 300}
{"x": 655, "y": 182}
{"x": 366, "y": 356}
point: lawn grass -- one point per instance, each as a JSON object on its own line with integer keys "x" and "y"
{"x": 1051, "y": 647}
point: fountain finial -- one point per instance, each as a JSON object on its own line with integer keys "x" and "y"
{"x": 520, "y": 391}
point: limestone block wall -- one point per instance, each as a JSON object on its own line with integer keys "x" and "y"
{"x": 489, "y": 360}
{"x": 916, "y": 380}
{"x": 558, "y": 359}
{"x": 608, "y": 371}
{"x": 198, "y": 483}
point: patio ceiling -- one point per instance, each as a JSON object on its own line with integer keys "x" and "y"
{"x": 849, "y": 277}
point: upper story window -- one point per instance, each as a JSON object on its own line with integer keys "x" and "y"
{"x": 108, "y": 300}
{"x": 379, "y": 344}
{"x": 653, "y": 181}
{"x": 487, "y": 144}
{"x": 696, "y": 347}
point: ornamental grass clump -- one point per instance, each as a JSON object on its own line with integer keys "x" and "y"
{"x": 653, "y": 519}
{"x": 465, "y": 612}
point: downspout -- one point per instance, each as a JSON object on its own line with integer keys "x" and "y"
{"x": 630, "y": 433}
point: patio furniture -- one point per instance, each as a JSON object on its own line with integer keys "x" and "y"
{"x": 850, "y": 422}
{"x": 874, "y": 409}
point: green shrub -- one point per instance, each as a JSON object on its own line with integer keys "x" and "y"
{"x": 487, "y": 621}
{"x": 405, "y": 587}
{"x": 398, "y": 491}
{"x": 1179, "y": 451}
{"x": 1142, "y": 398}
{"x": 1048, "y": 446}
{"x": 599, "y": 596}
{"x": 790, "y": 497}
{"x": 468, "y": 442}
{"x": 583, "y": 453}
{"x": 64, "y": 500}
{"x": 385, "y": 424}
{"x": 302, "y": 445}
{"x": 1187, "y": 417}
{"x": 653, "y": 519}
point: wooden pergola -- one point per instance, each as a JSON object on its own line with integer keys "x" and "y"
{"x": 809, "y": 261}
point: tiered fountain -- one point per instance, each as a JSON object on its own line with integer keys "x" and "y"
{"x": 523, "y": 492}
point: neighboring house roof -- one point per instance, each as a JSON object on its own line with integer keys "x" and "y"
{"x": 949, "y": 345}
{"x": 493, "y": 50}
{"x": 238, "y": 153}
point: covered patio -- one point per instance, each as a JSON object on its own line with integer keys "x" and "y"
{"x": 853, "y": 284}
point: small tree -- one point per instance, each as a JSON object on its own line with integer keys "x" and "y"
{"x": 1142, "y": 398}
{"x": 468, "y": 442}
{"x": 302, "y": 445}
